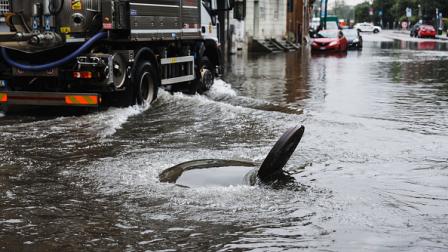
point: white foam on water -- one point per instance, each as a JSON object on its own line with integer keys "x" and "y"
{"x": 10, "y": 195}
{"x": 107, "y": 123}
{"x": 221, "y": 88}
{"x": 11, "y": 221}
{"x": 179, "y": 229}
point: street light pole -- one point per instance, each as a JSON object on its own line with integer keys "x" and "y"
{"x": 420, "y": 13}
{"x": 437, "y": 19}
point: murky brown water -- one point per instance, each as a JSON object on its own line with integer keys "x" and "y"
{"x": 375, "y": 174}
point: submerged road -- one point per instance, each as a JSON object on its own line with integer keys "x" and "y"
{"x": 372, "y": 163}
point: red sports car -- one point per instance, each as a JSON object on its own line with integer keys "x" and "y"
{"x": 330, "y": 40}
{"x": 426, "y": 31}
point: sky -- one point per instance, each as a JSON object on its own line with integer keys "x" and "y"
{"x": 353, "y": 2}
{"x": 348, "y": 2}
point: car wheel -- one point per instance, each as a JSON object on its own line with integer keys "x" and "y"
{"x": 376, "y": 31}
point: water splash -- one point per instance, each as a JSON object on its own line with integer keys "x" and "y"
{"x": 221, "y": 89}
{"x": 107, "y": 123}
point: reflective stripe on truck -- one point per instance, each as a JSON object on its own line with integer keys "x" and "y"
{"x": 50, "y": 99}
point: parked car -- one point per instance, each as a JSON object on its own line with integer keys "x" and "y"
{"x": 354, "y": 38}
{"x": 367, "y": 27}
{"x": 426, "y": 31}
{"x": 330, "y": 40}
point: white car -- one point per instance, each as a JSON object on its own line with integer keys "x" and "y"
{"x": 367, "y": 27}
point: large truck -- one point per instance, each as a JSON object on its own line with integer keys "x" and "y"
{"x": 107, "y": 52}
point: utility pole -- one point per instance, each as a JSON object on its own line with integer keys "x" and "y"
{"x": 324, "y": 14}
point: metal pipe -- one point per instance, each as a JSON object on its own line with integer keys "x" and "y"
{"x": 47, "y": 66}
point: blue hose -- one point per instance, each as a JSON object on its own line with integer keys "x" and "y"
{"x": 44, "y": 67}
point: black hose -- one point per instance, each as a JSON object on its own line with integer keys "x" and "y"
{"x": 55, "y": 8}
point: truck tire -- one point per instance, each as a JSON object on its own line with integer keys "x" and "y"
{"x": 145, "y": 83}
{"x": 206, "y": 76}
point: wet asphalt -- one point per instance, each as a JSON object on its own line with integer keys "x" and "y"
{"x": 371, "y": 169}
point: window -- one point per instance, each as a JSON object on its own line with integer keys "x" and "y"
{"x": 4, "y": 7}
{"x": 290, "y": 5}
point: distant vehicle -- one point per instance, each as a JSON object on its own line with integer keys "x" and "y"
{"x": 367, "y": 27}
{"x": 330, "y": 40}
{"x": 332, "y": 23}
{"x": 426, "y": 31}
{"x": 354, "y": 38}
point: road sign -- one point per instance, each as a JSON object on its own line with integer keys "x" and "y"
{"x": 408, "y": 12}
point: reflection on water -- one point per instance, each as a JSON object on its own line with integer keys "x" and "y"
{"x": 372, "y": 163}
{"x": 220, "y": 176}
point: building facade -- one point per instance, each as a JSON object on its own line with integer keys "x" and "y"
{"x": 265, "y": 19}
{"x": 284, "y": 23}
{"x": 299, "y": 13}
{"x": 4, "y": 8}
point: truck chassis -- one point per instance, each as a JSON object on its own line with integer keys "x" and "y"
{"x": 113, "y": 53}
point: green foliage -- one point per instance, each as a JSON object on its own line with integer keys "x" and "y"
{"x": 362, "y": 12}
{"x": 394, "y": 10}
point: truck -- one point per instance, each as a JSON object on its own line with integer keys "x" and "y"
{"x": 90, "y": 53}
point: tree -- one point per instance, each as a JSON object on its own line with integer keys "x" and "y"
{"x": 342, "y": 10}
{"x": 383, "y": 12}
{"x": 362, "y": 12}
{"x": 428, "y": 9}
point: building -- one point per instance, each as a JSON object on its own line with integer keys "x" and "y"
{"x": 4, "y": 8}
{"x": 299, "y": 13}
{"x": 270, "y": 25}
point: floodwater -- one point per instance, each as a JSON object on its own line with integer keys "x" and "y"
{"x": 372, "y": 165}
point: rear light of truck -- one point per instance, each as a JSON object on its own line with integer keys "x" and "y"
{"x": 3, "y": 97}
{"x": 82, "y": 75}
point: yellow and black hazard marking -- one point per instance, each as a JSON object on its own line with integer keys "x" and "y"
{"x": 76, "y": 5}
{"x": 3, "y": 97}
{"x": 66, "y": 29}
{"x": 81, "y": 100}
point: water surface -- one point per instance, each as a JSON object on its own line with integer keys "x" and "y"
{"x": 373, "y": 161}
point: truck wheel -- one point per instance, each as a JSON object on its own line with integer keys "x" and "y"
{"x": 206, "y": 75}
{"x": 145, "y": 83}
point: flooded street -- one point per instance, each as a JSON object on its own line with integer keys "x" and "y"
{"x": 372, "y": 165}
